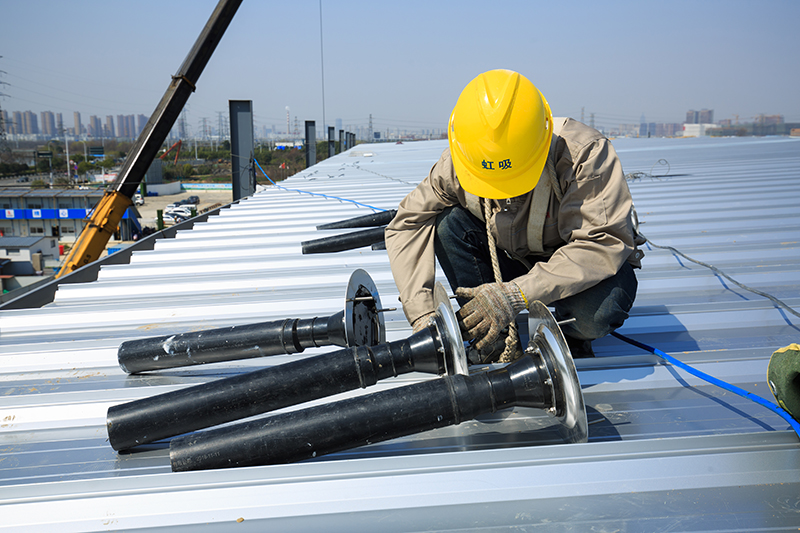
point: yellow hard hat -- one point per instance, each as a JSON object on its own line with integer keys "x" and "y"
{"x": 499, "y": 135}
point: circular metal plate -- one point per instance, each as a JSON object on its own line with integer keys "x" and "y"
{"x": 363, "y": 324}
{"x": 570, "y": 409}
{"x": 456, "y": 359}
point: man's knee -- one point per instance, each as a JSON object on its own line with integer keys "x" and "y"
{"x": 601, "y": 309}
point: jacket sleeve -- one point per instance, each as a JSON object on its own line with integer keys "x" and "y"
{"x": 593, "y": 221}
{"x": 409, "y": 238}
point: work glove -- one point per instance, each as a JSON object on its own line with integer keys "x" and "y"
{"x": 491, "y": 308}
{"x": 422, "y": 322}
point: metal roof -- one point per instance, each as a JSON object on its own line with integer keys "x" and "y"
{"x": 666, "y": 451}
{"x": 20, "y": 242}
{"x": 7, "y": 192}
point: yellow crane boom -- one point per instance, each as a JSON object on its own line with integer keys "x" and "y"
{"x": 104, "y": 219}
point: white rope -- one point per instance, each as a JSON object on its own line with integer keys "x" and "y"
{"x": 512, "y": 348}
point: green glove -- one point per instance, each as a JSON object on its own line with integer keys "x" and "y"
{"x": 491, "y": 307}
{"x": 783, "y": 377}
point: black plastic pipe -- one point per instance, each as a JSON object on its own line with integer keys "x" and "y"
{"x": 376, "y": 417}
{"x": 364, "y": 221}
{"x": 229, "y": 344}
{"x": 359, "y": 324}
{"x": 201, "y": 406}
{"x": 347, "y": 241}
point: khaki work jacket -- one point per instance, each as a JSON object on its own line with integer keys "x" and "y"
{"x": 573, "y": 230}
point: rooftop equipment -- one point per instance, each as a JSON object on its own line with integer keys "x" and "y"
{"x": 360, "y": 323}
{"x": 544, "y": 378}
{"x": 437, "y": 349}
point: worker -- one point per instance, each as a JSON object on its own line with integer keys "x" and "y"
{"x": 519, "y": 207}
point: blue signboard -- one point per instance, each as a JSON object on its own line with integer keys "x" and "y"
{"x": 50, "y": 214}
{"x": 43, "y": 214}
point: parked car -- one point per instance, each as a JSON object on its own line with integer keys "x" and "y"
{"x": 173, "y": 218}
{"x": 137, "y": 199}
{"x": 180, "y": 210}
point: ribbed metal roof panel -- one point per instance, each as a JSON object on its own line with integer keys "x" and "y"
{"x": 666, "y": 451}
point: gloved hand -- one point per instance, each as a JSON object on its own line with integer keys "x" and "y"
{"x": 491, "y": 307}
{"x": 422, "y": 322}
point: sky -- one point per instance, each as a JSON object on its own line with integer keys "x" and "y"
{"x": 406, "y": 61}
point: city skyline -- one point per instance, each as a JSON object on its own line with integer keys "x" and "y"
{"x": 614, "y": 62}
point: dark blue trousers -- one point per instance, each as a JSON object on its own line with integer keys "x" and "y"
{"x": 463, "y": 252}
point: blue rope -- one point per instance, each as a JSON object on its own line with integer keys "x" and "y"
{"x": 316, "y": 193}
{"x": 714, "y": 381}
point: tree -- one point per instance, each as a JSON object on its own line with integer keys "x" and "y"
{"x": 187, "y": 170}
{"x": 84, "y": 167}
{"x": 62, "y": 182}
{"x": 107, "y": 163}
{"x": 39, "y": 184}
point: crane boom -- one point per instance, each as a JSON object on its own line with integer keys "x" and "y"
{"x": 105, "y": 218}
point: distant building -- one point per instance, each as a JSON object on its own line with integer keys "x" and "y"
{"x": 57, "y": 213}
{"x": 110, "y": 126}
{"x": 767, "y": 120}
{"x": 48, "y": 123}
{"x": 59, "y": 124}
{"x": 77, "y": 121}
{"x": 30, "y": 125}
{"x": 26, "y": 255}
{"x": 16, "y": 124}
{"x": 95, "y": 126}
{"x": 142, "y": 122}
{"x": 704, "y": 116}
{"x": 698, "y": 130}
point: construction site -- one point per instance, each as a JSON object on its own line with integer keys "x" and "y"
{"x": 252, "y": 367}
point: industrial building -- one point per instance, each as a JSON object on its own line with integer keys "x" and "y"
{"x": 57, "y": 213}
{"x": 666, "y": 451}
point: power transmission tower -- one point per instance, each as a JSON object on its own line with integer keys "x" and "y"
{"x": 370, "y": 129}
{"x": 4, "y": 148}
{"x": 182, "y": 125}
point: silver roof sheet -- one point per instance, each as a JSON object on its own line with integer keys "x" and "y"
{"x": 666, "y": 451}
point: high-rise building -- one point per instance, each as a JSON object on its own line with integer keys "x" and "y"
{"x": 16, "y": 125}
{"x": 110, "y": 126}
{"x": 59, "y": 124}
{"x": 95, "y": 126}
{"x": 48, "y": 123}
{"x": 30, "y": 125}
{"x": 142, "y": 122}
{"x": 77, "y": 121}
{"x": 121, "y": 127}
{"x": 706, "y": 116}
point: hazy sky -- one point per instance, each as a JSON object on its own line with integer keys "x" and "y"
{"x": 405, "y": 61}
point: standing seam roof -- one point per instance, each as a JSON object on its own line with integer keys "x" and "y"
{"x": 665, "y": 452}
